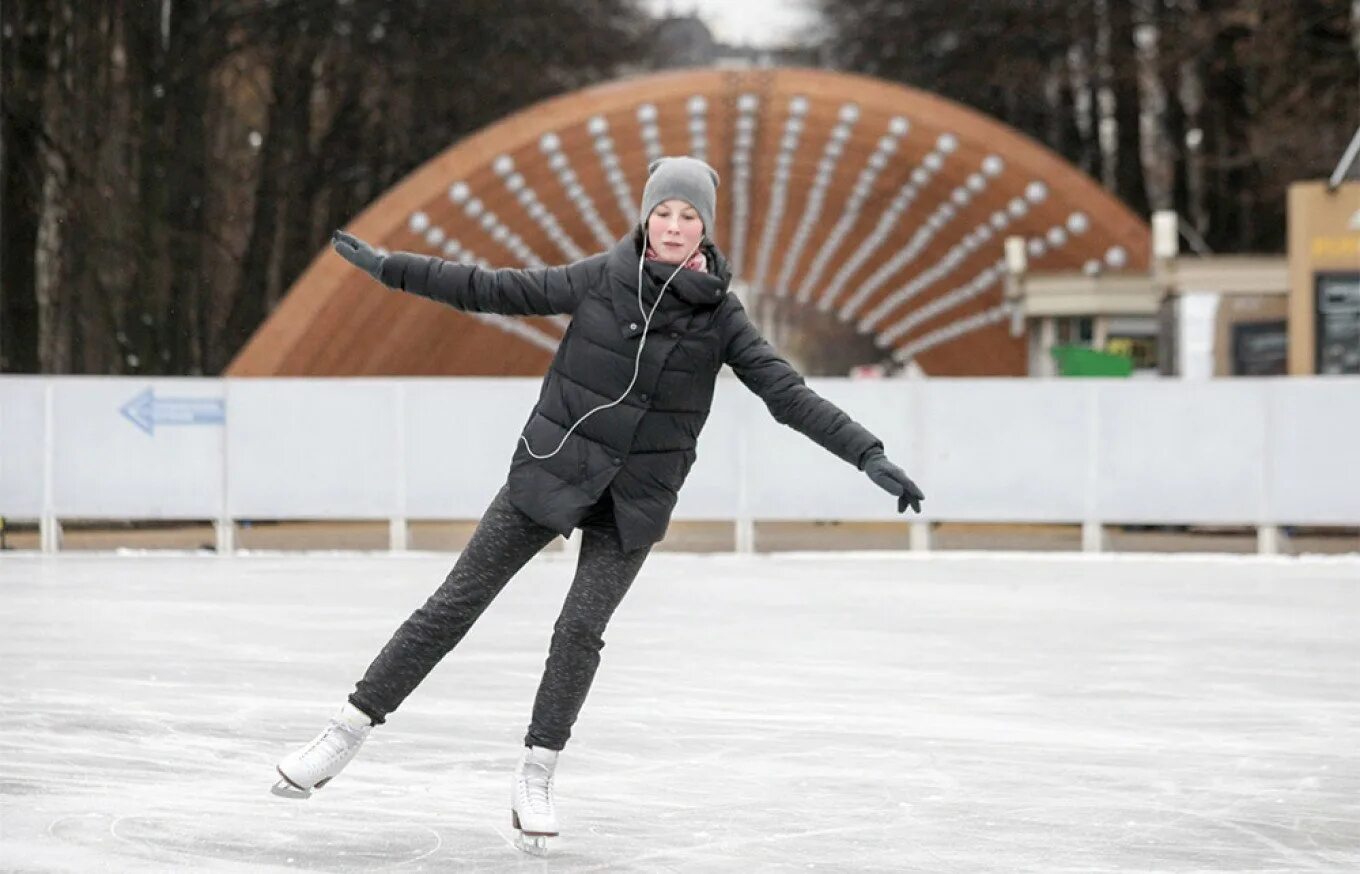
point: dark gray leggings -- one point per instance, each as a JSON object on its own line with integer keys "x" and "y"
{"x": 503, "y": 543}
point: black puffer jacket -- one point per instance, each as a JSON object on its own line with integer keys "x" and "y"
{"x": 642, "y": 448}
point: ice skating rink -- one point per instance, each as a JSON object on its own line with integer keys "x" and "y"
{"x": 835, "y": 712}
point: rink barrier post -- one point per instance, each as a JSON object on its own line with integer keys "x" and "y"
{"x": 1267, "y": 533}
{"x": 226, "y": 536}
{"x": 1092, "y": 536}
{"x": 918, "y": 531}
{"x": 398, "y": 534}
{"x": 49, "y": 529}
{"x": 745, "y": 535}
{"x": 224, "y": 526}
{"x": 744, "y": 527}
{"x": 1092, "y": 528}
{"x": 398, "y": 530}
{"x": 918, "y": 536}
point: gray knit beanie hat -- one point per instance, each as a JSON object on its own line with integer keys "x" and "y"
{"x": 684, "y": 178}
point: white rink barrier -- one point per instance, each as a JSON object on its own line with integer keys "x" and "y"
{"x": 1258, "y": 452}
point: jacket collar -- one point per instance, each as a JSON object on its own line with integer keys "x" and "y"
{"x": 690, "y": 290}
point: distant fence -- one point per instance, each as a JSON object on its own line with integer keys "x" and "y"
{"x": 1262, "y": 453}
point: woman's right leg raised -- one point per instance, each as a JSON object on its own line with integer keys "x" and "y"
{"x": 503, "y": 543}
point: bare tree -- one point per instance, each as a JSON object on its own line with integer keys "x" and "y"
{"x": 1107, "y": 104}
{"x": 1264, "y": 93}
{"x": 169, "y": 168}
{"x": 1079, "y": 78}
{"x": 1190, "y": 94}
{"x": 1154, "y": 146}
{"x": 24, "y": 34}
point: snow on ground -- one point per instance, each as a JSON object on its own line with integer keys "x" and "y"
{"x": 839, "y": 712}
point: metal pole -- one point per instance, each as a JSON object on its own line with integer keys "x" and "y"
{"x": 1344, "y": 165}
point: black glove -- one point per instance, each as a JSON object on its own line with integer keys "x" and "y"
{"x": 893, "y": 480}
{"x": 358, "y": 253}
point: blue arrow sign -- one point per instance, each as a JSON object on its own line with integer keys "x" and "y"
{"x": 146, "y": 411}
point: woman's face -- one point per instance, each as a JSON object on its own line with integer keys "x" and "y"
{"x": 674, "y": 229}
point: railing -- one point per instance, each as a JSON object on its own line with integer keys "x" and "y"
{"x": 1263, "y": 453}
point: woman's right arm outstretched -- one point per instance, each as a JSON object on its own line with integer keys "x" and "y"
{"x": 540, "y": 291}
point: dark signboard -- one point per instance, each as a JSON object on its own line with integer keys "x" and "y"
{"x": 1338, "y": 322}
{"x": 1260, "y": 348}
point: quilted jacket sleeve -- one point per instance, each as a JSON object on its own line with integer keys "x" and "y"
{"x": 541, "y": 291}
{"x": 785, "y": 393}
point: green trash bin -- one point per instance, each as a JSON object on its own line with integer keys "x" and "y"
{"x": 1081, "y": 361}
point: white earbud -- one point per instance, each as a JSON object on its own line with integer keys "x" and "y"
{"x": 642, "y": 341}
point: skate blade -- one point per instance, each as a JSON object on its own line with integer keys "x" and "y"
{"x": 285, "y": 788}
{"x": 534, "y": 845}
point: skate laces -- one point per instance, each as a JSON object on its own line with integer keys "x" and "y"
{"x": 337, "y": 740}
{"x": 538, "y": 787}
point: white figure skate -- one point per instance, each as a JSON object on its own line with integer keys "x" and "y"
{"x": 314, "y": 765}
{"x": 531, "y": 801}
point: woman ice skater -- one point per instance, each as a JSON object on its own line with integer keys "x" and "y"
{"x": 605, "y": 450}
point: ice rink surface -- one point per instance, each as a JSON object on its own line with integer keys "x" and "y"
{"x": 836, "y": 712}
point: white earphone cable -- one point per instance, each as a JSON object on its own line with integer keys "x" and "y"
{"x": 642, "y": 341}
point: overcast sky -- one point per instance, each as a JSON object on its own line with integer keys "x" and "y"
{"x": 748, "y": 22}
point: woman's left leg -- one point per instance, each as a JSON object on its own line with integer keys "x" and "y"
{"x": 604, "y": 572}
